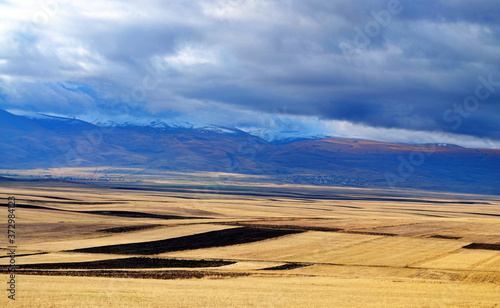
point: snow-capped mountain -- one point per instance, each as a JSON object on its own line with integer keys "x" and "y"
{"x": 48, "y": 141}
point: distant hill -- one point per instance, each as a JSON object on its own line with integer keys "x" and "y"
{"x": 50, "y": 142}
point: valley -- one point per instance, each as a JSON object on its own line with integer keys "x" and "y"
{"x": 170, "y": 244}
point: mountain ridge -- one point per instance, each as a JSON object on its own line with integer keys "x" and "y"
{"x": 28, "y": 143}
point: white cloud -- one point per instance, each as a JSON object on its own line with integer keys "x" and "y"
{"x": 348, "y": 129}
{"x": 234, "y": 9}
{"x": 190, "y": 54}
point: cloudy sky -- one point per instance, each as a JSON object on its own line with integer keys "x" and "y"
{"x": 408, "y": 71}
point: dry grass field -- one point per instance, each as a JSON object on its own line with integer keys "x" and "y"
{"x": 173, "y": 244}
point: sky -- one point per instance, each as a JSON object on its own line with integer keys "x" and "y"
{"x": 388, "y": 70}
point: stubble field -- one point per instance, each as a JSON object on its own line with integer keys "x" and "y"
{"x": 166, "y": 245}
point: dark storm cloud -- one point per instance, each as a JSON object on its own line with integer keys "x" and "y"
{"x": 219, "y": 60}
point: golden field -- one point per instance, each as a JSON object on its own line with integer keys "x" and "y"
{"x": 151, "y": 244}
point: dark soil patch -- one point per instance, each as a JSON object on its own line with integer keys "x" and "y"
{"x": 368, "y": 233}
{"x": 289, "y": 227}
{"x": 128, "y": 228}
{"x": 483, "y": 246}
{"x": 446, "y": 237}
{"x": 131, "y": 263}
{"x": 76, "y": 202}
{"x": 52, "y": 197}
{"x": 453, "y": 212}
{"x": 27, "y": 254}
{"x": 284, "y": 267}
{"x": 36, "y": 207}
{"x": 128, "y": 214}
{"x": 309, "y": 228}
{"x": 176, "y": 274}
{"x": 137, "y": 215}
{"x": 197, "y": 241}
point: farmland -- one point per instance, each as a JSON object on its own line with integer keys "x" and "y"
{"x": 156, "y": 244}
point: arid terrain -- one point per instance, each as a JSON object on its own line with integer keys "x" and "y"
{"x": 154, "y": 244}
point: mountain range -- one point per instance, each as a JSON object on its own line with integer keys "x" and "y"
{"x": 51, "y": 142}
